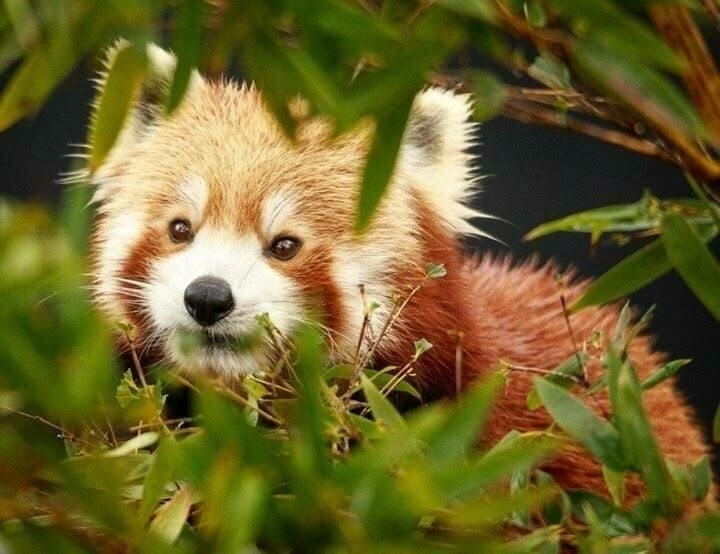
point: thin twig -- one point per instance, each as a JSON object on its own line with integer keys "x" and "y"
{"x": 533, "y": 113}
{"x": 135, "y": 358}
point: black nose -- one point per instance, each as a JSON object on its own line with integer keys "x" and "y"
{"x": 208, "y": 299}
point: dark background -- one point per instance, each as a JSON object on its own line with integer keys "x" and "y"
{"x": 533, "y": 174}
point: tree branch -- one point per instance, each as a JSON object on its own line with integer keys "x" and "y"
{"x": 529, "y": 112}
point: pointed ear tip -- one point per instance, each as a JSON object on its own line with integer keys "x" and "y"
{"x": 160, "y": 59}
{"x": 437, "y": 98}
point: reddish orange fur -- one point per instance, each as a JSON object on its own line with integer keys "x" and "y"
{"x": 513, "y": 313}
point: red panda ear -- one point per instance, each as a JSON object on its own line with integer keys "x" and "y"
{"x": 151, "y": 96}
{"x": 436, "y": 159}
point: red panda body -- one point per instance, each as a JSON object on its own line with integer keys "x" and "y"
{"x": 211, "y": 217}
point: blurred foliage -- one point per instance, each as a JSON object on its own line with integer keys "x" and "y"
{"x": 90, "y": 460}
{"x": 302, "y": 456}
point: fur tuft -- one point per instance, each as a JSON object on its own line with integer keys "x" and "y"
{"x": 437, "y": 158}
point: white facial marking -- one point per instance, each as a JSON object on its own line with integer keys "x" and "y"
{"x": 257, "y": 289}
{"x": 351, "y": 270}
{"x": 194, "y": 195}
{"x": 276, "y": 210}
{"x": 121, "y": 230}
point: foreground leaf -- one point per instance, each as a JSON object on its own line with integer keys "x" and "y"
{"x": 639, "y": 445}
{"x": 575, "y": 418}
{"x": 693, "y": 261}
{"x": 641, "y": 88}
{"x": 171, "y": 517}
{"x": 634, "y": 272}
{"x": 188, "y": 44}
{"x": 123, "y": 79}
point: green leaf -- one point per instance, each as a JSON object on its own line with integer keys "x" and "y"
{"x": 171, "y": 517}
{"x": 716, "y": 426}
{"x": 480, "y": 9}
{"x": 709, "y": 205}
{"x": 693, "y": 261}
{"x": 382, "y": 410}
{"x": 602, "y": 22}
{"x": 636, "y": 435}
{"x": 489, "y": 95}
{"x": 460, "y": 430}
{"x": 122, "y": 82}
{"x": 188, "y": 45}
{"x": 244, "y": 513}
{"x": 516, "y": 452}
{"x": 381, "y": 161}
{"x": 615, "y": 481}
{"x": 383, "y": 377}
{"x": 637, "y": 270}
{"x": 551, "y": 72}
{"x": 23, "y": 21}
{"x": 535, "y": 13}
{"x": 435, "y": 271}
{"x": 565, "y": 375}
{"x": 421, "y": 346}
{"x": 701, "y": 478}
{"x": 162, "y": 469}
{"x": 643, "y": 215}
{"x": 597, "y": 435}
{"x": 311, "y": 414}
{"x": 641, "y": 88}
{"x": 663, "y": 372}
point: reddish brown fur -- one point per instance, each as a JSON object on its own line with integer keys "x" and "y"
{"x": 514, "y": 314}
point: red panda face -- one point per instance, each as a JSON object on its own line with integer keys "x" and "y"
{"x": 212, "y": 224}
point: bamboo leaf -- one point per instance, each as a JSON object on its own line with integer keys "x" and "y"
{"x": 479, "y": 9}
{"x": 604, "y": 23}
{"x": 640, "y": 87}
{"x": 171, "y": 517}
{"x": 636, "y": 436}
{"x": 551, "y": 72}
{"x": 693, "y": 261}
{"x": 381, "y": 407}
{"x": 516, "y": 452}
{"x": 158, "y": 476}
{"x": 188, "y": 44}
{"x": 460, "y": 430}
{"x": 565, "y": 375}
{"x": 123, "y": 79}
{"x": 597, "y": 435}
{"x": 381, "y": 161}
{"x": 637, "y": 270}
{"x": 489, "y": 95}
{"x": 645, "y": 214}
{"x": 663, "y": 372}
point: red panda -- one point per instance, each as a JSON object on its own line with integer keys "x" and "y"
{"x": 210, "y": 217}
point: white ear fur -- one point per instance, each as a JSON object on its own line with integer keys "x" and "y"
{"x": 435, "y": 156}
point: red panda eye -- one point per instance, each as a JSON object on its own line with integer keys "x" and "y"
{"x": 284, "y": 248}
{"x": 180, "y": 231}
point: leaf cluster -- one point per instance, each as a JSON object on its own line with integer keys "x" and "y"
{"x": 304, "y": 456}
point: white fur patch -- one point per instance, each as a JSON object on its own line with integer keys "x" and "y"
{"x": 276, "y": 210}
{"x": 351, "y": 270}
{"x": 121, "y": 230}
{"x": 194, "y": 195}
{"x": 257, "y": 289}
